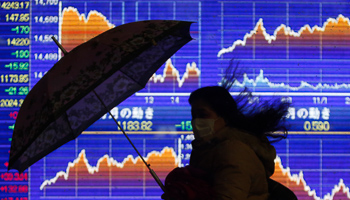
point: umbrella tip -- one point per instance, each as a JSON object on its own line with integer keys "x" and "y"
{"x": 59, "y": 45}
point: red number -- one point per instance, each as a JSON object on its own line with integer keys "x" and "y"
{"x": 23, "y": 189}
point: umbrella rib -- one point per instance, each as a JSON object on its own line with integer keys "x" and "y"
{"x": 127, "y": 137}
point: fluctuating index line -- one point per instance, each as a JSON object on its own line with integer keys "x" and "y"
{"x": 341, "y": 25}
{"x": 192, "y": 72}
{"x": 165, "y": 160}
{"x": 297, "y": 183}
{"x": 260, "y": 80}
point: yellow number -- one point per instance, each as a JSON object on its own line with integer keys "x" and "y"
{"x": 326, "y": 126}
{"x": 18, "y": 41}
{"x": 13, "y": 78}
{"x": 8, "y": 103}
{"x": 307, "y": 126}
{"x": 136, "y": 125}
{"x": 15, "y": 103}
{"x": 15, "y": 5}
{"x": 24, "y": 17}
{"x": 12, "y": 17}
{"x": 27, "y": 4}
{"x": 20, "y": 102}
{"x": 133, "y": 126}
{"x": 23, "y": 78}
{"x": 146, "y": 125}
{"x": 5, "y": 5}
{"x": 316, "y": 126}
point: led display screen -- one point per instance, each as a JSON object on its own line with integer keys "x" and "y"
{"x": 295, "y": 51}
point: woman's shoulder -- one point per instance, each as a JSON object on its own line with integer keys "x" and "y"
{"x": 236, "y": 155}
{"x": 240, "y": 145}
{"x": 233, "y": 146}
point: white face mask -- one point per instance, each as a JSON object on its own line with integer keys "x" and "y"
{"x": 203, "y": 127}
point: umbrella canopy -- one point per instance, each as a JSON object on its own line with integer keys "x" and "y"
{"x": 114, "y": 65}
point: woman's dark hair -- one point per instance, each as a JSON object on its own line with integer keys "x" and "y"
{"x": 256, "y": 118}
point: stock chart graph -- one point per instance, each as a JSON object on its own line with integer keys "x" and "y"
{"x": 288, "y": 50}
{"x": 110, "y": 176}
{"x": 109, "y": 168}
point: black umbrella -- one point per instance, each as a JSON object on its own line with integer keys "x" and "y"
{"x": 88, "y": 82}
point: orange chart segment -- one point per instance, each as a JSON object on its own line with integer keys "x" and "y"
{"x": 130, "y": 173}
{"x": 171, "y": 79}
{"x": 298, "y": 185}
{"x": 76, "y": 28}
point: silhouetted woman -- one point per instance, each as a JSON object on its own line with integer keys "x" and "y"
{"x": 231, "y": 152}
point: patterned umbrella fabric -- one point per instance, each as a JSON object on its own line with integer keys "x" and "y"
{"x": 114, "y": 65}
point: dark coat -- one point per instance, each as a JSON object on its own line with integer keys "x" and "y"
{"x": 238, "y": 164}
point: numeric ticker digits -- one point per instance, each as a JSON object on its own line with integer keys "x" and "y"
{"x": 186, "y": 156}
{"x": 14, "y": 188}
{"x": 21, "y": 29}
{"x": 13, "y": 115}
{"x": 46, "y": 2}
{"x": 14, "y": 78}
{"x": 21, "y": 54}
{"x": 11, "y": 103}
{"x": 17, "y": 66}
{"x": 44, "y": 38}
{"x": 187, "y": 146}
{"x": 136, "y": 125}
{"x": 18, "y": 42}
{"x": 16, "y": 17}
{"x": 17, "y": 90}
{"x": 7, "y": 176}
{"x": 45, "y": 56}
{"x": 188, "y": 137}
{"x": 14, "y": 5}
{"x": 185, "y": 125}
{"x": 15, "y": 58}
{"x": 46, "y": 19}
{"x": 316, "y": 126}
